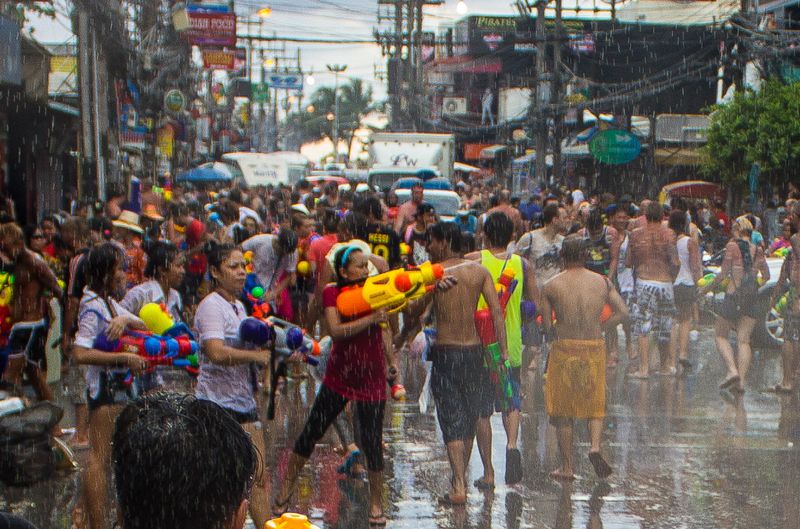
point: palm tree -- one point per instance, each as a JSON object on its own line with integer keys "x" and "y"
{"x": 354, "y": 103}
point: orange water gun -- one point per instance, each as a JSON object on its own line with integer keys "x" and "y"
{"x": 390, "y": 290}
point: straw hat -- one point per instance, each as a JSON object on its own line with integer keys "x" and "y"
{"x": 151, "y": 212}
{"x": 130, "y": 221}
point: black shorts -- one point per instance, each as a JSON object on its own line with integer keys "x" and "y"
{"x": 113, "y": 390}
{"x": 243, "y": 417}
{"x": 685, "y": 296}
{"x": 734, "y": 308}
{"x": 461, "y": 389}
{"x": 28, "y": 340}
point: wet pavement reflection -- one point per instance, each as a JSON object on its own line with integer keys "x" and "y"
{"x": 684, "y": 455}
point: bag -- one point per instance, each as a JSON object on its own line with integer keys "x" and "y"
{"x": 26, "y": 453}
{"x": 747, "y": 289}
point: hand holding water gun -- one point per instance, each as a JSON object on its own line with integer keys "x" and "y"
{"x": 155, "y": 350}
{"x": 390, "y": 290}
{"x": 158, "y": 321}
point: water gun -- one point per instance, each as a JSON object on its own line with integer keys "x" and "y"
{"x": 290, "y": 520}
{"x": 6, "y": 294}
{"x": 159, "y": 321}
{"x": 782, "y": 303}
{"x": 710, "y": 278}
{"x": 498, "y": 369}
{"x": 290, "y": 338}
{"x": 254, "y": 293}
{"x": 391, "y": 290}
{"x": 180, "y": 351}
{"x": 782, "y": 252}
{"x": 398, "y": 390}
{"x": 606, "y": 314}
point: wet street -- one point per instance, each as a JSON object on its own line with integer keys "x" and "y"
{"x": 684, "y": 455}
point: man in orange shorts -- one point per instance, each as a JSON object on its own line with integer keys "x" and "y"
{"x": 576, "y": 370}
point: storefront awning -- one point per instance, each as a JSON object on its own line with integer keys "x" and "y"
{"x": 490, "y": 153}
{"x": 679, "y": 156}
{"x": 472, "y": 151}
{"x": 468, "y": 64}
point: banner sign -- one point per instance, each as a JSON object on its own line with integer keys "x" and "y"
{"x": 212, "y": 29}
{"x": 285, "y": 81}
{"x": 223, "y": 59}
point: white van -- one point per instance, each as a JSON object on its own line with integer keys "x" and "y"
{"x": 263, "y": 169}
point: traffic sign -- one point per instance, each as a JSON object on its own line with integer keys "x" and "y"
{"x": 260, "y": 93}
{"x": 615, "y": 146}
{"x": 286, "y": 81}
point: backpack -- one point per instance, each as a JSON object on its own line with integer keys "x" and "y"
{"x": 747, "y": 289}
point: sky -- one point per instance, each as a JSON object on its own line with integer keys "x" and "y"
{"x": 330, "y": 19}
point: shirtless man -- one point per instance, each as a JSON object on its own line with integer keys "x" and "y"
{"x": 576, "y": 370}
{"x": 32, "y": 277}
{"x": 653, "y": 255}
{"x": 459, "y": 380}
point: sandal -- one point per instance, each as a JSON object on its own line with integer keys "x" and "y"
{"x": 601, "y": 468}
{"x": 345, "y": 467}
{"x": 480, "y": 484}
{"x": 780, "y": 388}
{"x": 728, "y": 382}
{"x": 377, "y": 520}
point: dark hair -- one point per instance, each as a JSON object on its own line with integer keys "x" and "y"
{"x": 450, "y": 233}
{"x": 100, "y": 265}
{"x": 678, "y": 221}
{"x": 371, "y": 206}
{"x": 549, "y": 213}
{"x": 29, "y": 230}
{"x": 160, "y": 256}
{"x": 103, "y": 225}
{"x": 574, "y": 249}
{"x": 216, "y": 253}
{"x": 287, "y": 241}
{"x": 424, "y": 208}
{"x": 654, "y": 212}
{"x": 499, "y": 229}
{"x": 170, "y": 448}
{"x": 51, "y": 217}
{"x": 330, "y": 221}
{"x": 356, "y": 224}
{"x": 341, "y": 259}
{"x": 595, "y": 219}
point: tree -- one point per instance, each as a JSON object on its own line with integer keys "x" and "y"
{"x": 762, "y": 128}
{"x": 314, "y": 124}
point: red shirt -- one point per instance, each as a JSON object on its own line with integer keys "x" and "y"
{"x": 356, "y": 369}
{"x": 318, "y": 249}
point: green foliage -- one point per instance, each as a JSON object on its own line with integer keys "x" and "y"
{"x": 761, "y": 128}
{"x": 354, "y": 102}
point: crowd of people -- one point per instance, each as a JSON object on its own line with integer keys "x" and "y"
{"x": 585, "y": 265}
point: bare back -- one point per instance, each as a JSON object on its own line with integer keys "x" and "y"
{"x": 653, "y": 253}
{"x": 455, "y": 308}
{"x": 577, "y": 297}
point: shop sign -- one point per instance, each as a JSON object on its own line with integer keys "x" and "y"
{"x": 165, "y": 141}
{"x": 174, "y": 101}
{"x": 222, "y": 59}
{"x": 285, "y": 81}
{"x": 212, "y": 29}
{"x": 615, "y": 146}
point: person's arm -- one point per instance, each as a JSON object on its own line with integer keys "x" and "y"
{"x": 531, "y": 290}
{"x": 492, "y": 301}
{"x": 84, "y": 355}
{"x": 695, "y": 260}
{"x": 783, "y": 281}
{"x": 225, "y": 355}
{"x": 620, "y": 310}
{"x": 47, "y": 278}
{"x": 522, "y": 247}
{"x": 614, "y": 263}
{"x": 761, "y": 265}
{"x": 340, "y": 330}
{"x": 546, "y": 310}
{"x": 630, "y": 258}
{"x": 674, "y": 259}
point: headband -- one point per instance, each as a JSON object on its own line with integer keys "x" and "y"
{"x": 346, "y": 255}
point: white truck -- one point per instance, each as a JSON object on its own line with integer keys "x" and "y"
{"x": 394, "y": 155}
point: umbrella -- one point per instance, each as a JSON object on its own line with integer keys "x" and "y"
{"x": 209, "y": 172}
{"x": 465, "y": 168}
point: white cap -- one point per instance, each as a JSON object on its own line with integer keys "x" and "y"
{"x": 300, "y": 208}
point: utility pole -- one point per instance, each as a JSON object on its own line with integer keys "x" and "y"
{"x": 336, "y": 69}
{"x": 556, "y": 96}
{"x": 540, "y": 120}
{"x": 84, "y": 77}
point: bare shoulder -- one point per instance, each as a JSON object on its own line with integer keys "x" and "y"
{"x": 473, "y": 256}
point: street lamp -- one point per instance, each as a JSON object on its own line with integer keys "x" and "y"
{"x": 264, "y": 12}
{"x": 336, "y": 69}
{"x": 461, "y": 7}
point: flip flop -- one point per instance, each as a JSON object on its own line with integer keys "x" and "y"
{"x": 601, "y": 468}
{"x": 345, "y": 467}
{"x": 728, "y": 382}
{"x": 780, "y": 388}
{"x": 377, "y": 521}
{"x": 685, "y": 364}
{"x": 449, "y": 499}
{"x": 480, "y": 484}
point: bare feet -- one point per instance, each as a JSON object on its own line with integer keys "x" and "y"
{"x": 561, "y": 474}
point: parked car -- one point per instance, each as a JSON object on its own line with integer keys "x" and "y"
{"x": 444, "y": 202}
{"x": 769, "y": 327}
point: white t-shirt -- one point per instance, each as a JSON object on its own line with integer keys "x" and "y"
{"x": 232, "y": 387}
{"x": 151, "y": 292}
{"x": 266, "y": 264}
{"x": 543, "y": 253}
{"x": 93, "y": 318}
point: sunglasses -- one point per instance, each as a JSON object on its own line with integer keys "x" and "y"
{"x": 38, "y": 236}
